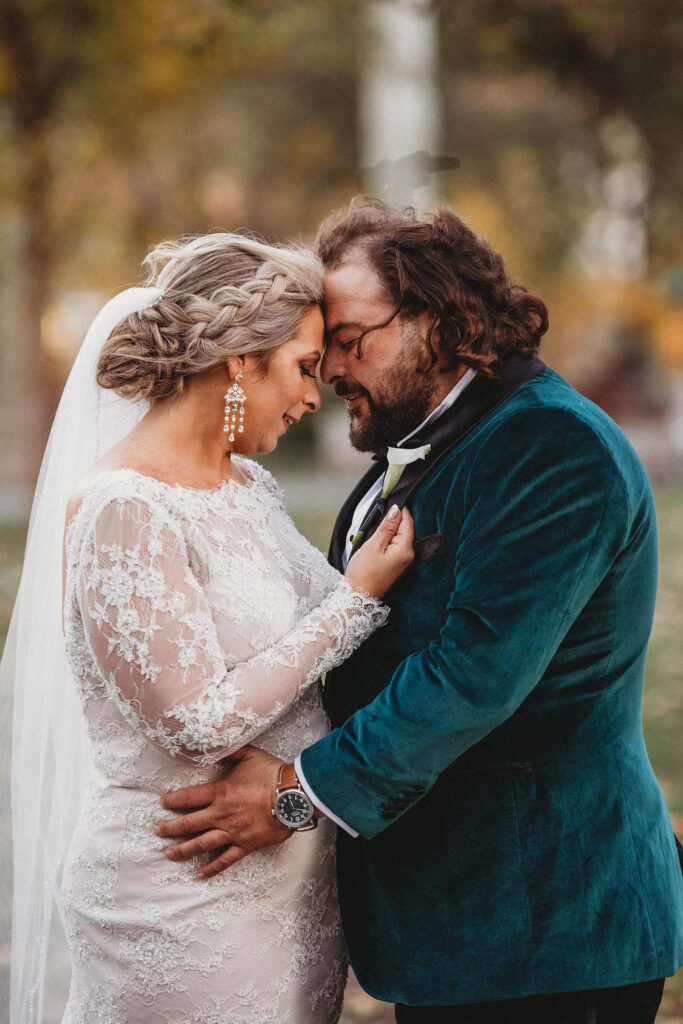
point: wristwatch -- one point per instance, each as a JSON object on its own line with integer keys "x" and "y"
{"x": 292, "y": 806}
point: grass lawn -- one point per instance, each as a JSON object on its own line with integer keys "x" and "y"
{"x": 12, "y": 540}
{"x": 663, "y": 702}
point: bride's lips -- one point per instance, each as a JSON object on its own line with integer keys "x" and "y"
{"x": 288, "y": 420}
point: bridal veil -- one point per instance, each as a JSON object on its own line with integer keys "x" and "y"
{"x": 50, "y": 755}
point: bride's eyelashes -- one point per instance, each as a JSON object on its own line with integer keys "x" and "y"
{"x": 307, "y": 372}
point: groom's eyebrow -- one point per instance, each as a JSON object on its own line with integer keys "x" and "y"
{"x": 346, "y": 325}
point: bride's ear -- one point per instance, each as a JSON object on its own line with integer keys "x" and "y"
{"x": 235, "y": 365}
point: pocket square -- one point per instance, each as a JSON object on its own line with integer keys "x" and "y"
{"x": 427, "y": 547}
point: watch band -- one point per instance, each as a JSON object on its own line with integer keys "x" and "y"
{"x": 287, "y": 777}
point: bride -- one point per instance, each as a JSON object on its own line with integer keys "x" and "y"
{"x": 196, "y": 620}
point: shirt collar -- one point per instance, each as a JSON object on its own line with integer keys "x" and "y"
{"x": 445, "y": 404}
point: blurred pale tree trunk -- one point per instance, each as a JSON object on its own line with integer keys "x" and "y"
{"x": 400, "y": 110}
{"x": 614, "y": 241}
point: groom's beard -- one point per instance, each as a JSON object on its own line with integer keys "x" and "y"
{"x": 402, "y": 399}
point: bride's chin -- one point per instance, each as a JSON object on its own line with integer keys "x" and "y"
{"x": 264, "y": 444}
{"x": 264, "y": 447}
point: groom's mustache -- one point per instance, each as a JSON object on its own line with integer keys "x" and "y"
{"x": 345, "y": 387}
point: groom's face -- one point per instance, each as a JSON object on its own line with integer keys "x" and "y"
{"x": 385, "y": 394}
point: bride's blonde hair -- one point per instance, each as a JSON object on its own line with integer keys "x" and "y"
{"x": 222, "y": 295}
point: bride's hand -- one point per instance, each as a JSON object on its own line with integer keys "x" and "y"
{"x": 377, "y": 565}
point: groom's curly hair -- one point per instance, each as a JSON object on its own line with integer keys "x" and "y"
{"x": 435, "y": 263}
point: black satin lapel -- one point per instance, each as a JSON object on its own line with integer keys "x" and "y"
{"x": 476, "y": 401}
{"x": 343, "y": 521}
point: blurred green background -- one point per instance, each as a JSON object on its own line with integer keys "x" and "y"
{"x": 557, "y": 128}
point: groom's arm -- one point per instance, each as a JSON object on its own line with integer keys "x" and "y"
{"x": 546, "y": 513}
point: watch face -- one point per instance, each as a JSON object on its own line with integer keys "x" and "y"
{"x": 293, "y": 808}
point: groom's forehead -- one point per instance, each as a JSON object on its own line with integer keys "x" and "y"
{"x": 353, "y": 292}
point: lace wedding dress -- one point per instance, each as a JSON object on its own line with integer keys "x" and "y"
{"x": 196, "y": 622}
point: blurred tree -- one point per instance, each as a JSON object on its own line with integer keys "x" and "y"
{"x": 39, "y": 60}
{"x": 533, "y": 89}
{"x": 123, "y": 123}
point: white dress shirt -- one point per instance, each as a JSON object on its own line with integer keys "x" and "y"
{"x": 359, "y": 514}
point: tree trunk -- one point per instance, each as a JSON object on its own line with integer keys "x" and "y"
{"x": 399, "y": 101}
{"x": 26, "y": 395}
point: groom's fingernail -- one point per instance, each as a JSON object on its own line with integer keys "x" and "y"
{"x": 393, "y": 512}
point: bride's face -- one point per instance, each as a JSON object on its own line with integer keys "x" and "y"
{"x": 279, "y": 394}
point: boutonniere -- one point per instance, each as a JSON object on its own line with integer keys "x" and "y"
{"x": 398, "y": 459}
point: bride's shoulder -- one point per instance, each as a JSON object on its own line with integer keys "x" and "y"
{"x": 121, "y": 487}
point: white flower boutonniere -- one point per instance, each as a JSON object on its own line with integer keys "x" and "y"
{"x": 398, "y": 459}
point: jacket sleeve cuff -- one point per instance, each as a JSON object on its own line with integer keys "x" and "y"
{"x": 318, "y": 803}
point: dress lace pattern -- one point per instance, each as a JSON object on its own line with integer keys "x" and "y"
{"x": 196, "y": 622}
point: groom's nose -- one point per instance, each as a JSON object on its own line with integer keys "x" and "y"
{"x": 332, "y": 367}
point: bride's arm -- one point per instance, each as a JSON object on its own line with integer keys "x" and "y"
{"x": 155, "y": 645}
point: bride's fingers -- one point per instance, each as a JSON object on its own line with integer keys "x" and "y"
{"x": 185, "y": 825}
{"x": 203, "y": 843}
{"x": 223, "y": 861}
{"x": 406, "y": 528}
{"x": 387, "y": 528}
{"x": 190, "y": 798}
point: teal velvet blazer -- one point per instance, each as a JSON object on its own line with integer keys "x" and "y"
{"x": 488, "y": 744}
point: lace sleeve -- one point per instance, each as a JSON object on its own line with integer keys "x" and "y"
{"x": 155, "y": 645}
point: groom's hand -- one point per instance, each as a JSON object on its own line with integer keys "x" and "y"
{"x": 232, "y": 814}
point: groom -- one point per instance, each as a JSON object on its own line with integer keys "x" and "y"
{"x": 504, "y": 851}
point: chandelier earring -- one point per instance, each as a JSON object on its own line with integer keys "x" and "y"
{"x": 234, "y": 408}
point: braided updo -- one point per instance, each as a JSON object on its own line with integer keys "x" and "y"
{"x": 222, "y": 295}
